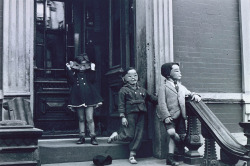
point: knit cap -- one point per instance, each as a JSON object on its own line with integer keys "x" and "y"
{"x": 166, "y": 69}
{"x": 101, "y": 160}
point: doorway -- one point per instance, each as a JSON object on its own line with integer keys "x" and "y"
{"x": 64, "y": 29}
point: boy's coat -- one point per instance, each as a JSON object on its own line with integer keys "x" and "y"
{"x": 170, "y": 102}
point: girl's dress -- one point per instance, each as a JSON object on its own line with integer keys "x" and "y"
{"x": 82, "y": 91}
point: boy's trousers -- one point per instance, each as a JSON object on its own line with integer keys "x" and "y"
{"x": 133, "y": 133}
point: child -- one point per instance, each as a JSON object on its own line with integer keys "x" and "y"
{"x": 171, "y": 100}
{"x": 83, "y": 95}
{"x": 132, "y": 108}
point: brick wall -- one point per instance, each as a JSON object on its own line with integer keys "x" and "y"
{"x": 207, "y": 44}
{"x": 229, "y": 114}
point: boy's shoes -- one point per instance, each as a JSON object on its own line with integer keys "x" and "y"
{"x": 93, "y": 141}
{"x": 132, "y": 160}
{"x": 113, "y": 137}
{"x": 170, "y": 160}
{"x": 81, "y": 140}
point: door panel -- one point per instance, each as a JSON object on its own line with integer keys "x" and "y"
{"x": 121, "y": 53}
{"x": 55, "y": 45}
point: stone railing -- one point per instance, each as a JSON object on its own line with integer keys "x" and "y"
{"x": 212, "y": 130}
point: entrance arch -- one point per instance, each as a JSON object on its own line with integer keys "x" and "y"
{"x": 64, "y": 29}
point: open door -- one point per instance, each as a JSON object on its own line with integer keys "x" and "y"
{"x": 54, "y": 46}
{"x": 121, "y": 53}
{"x": 64, "y": 29}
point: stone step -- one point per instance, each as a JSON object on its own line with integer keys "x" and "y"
{"x": 19, "y": 163}
{"x": 66, "y": 150}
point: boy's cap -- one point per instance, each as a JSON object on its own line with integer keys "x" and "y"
{"x": 100, "y": 160}
{"x": 166, "y": 69}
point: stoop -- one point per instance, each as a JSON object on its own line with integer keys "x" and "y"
{"x": 66, "y": 150}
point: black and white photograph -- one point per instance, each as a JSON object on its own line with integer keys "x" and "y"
{"x": 124, "y": 82}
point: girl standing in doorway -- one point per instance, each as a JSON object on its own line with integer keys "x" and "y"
{"x": 83, "y": 95}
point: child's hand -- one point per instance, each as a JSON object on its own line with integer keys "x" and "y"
{"x": 68, "y": 66}
{"x": 124, "y": 122}
{"x": 98, "y": 105}
{"x": 196, "y": 98}
{"x": 168, "y": 120}
{"x": 92, "y": 66}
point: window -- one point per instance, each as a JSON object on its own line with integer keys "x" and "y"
{"x": 115, "y": 19}
{"x": 54, "y": 38}
{"x": 121, "y": 33}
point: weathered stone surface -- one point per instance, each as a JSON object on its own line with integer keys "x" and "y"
{"x": 19, "y": 145}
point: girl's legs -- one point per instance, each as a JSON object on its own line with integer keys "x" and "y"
{"x": 91, "y": 124}
{"x": 90, "y": 121}
{"x": 81, "y": 118}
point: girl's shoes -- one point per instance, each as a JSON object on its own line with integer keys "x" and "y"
{"x": 132, "y": 160}
{"x": 93, "y": 141}
{"x": 113, "y": 137}
{"x": 81, "y": 140}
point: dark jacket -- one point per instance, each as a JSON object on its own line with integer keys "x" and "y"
{"x": 82, "y": 89}
{"x": 134, "y": 100}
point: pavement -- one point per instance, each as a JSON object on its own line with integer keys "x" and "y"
{"x": 154, "y": 161}
{"x": 124, "y": 162}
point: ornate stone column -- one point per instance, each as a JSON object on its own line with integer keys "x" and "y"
{"x": 18, "y": 48}
{"x": 245, "y": 42}
{"x": 192, "y": 141}
{"x": 210, "y": 156}
{"x": 159, "y": 50}
{"x": 246, "y": 128}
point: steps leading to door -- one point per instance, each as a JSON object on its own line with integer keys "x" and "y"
{"x": 66, "y": 150}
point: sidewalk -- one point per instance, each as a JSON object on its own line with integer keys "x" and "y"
{"x": 121, "y": 162}
{"x": 124, "y": 162}
{"x": 154, "y": 161}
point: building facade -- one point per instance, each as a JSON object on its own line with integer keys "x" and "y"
{"x": 209, "y": 39}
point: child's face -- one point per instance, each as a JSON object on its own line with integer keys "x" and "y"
{"x": 131, "y": 77}
{"x": 175, "y": 73}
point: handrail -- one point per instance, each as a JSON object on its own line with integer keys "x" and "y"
{"x": 219, "y": 132}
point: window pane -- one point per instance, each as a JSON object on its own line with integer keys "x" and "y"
{"x": 116, "y": 57}
{"x": 55, "y": 15}
{"x": 55, "y": 51}
{"x": 39, "y": 37}
{"x": 54, "y": 40}
{"x": 39, "y": 56}
{"x": 39, "y": 13}
{"x": 70, "y": 52}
